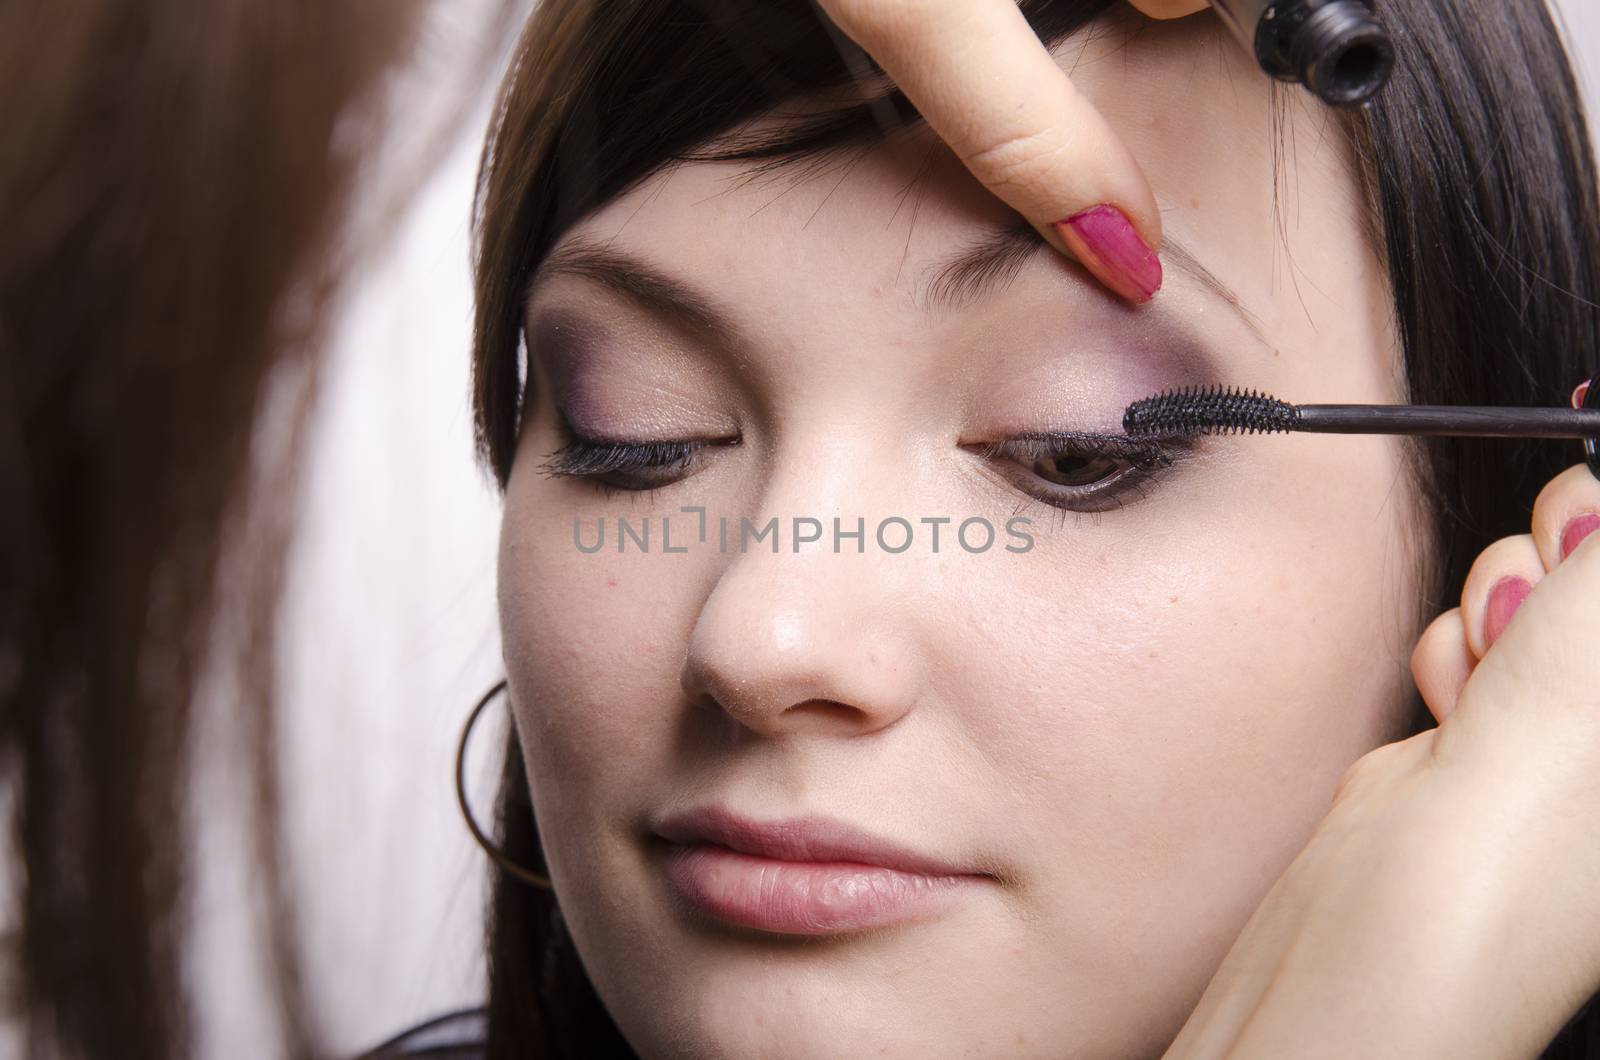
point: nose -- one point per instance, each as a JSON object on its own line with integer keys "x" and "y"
{"x": 818, "y": 641}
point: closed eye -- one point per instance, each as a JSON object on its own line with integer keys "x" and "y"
{"x": 613, "y": 466}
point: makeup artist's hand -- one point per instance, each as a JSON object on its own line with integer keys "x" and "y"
{"x": 986, "y": 84}
{"x": 1448, "y": 905}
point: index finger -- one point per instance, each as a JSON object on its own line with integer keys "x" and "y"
{"x": 989, "y": 87}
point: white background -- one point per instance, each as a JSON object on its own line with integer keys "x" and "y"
{"x": 390, "y": 632}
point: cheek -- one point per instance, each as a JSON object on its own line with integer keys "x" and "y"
{"x": 1173, "y": 709}
{"x": 593, "y": 647}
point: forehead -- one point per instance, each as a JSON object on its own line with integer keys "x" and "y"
{"x": 1254, "y": 178}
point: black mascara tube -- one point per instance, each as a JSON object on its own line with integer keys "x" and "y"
{"x": 1336, "y": 48}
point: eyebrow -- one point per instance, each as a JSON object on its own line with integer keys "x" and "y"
{"x": 996, "y": 260}
{"x": 970, "y": 274}
{"x": 639, "y": 281}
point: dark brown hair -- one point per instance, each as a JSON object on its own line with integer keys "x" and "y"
{"x": 171, "y": 181}
{"x": 1476, "y": 162}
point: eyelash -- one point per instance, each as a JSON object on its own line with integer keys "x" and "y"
{"x": 1143, "y": 460}
{"x": 595, "y": 460}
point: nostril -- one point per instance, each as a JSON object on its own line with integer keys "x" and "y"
{"x": 828, "y": 708}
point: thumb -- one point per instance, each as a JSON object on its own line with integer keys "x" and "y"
{"x": 987, "y": 85}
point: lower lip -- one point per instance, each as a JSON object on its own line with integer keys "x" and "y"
{"x": 805, "y": 897}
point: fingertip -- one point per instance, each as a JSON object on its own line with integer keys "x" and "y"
{"x": 1500, "y": 579}
{"x": 1565, "y": 513}
{"x": 1167, "y": 9}
{"x": 1442, "y": 662}
{"x": 1105, "y": 242}
{"x": 1505, "y": 596}
{"x": 1578, "y": 528}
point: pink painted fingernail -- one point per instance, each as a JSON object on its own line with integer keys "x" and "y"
{"x": 1577, "y": 528}
{"x": 1579, "y": 392}
{"x": 1504, "y": 599}
{"x": 1104, "y": 240}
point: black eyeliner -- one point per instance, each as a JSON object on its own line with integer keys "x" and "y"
{"x": 1146, "y": 459}
{"x": 1144, "y": 452}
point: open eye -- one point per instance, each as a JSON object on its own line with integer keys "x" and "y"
{"x": 1076, "y": 469}
{"x": 1083, "y": 472}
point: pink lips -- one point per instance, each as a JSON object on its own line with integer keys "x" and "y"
{"x": 803, "y": 876}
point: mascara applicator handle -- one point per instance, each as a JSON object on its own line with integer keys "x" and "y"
{"x": 1468, "y": 421}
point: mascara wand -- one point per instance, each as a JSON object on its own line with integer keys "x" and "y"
{"x": 1215, "y": 410}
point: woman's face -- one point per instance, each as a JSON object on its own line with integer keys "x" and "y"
{"x": 1120, "y": 734}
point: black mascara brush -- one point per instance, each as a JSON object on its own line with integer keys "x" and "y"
{"x": 1215, "y": 410}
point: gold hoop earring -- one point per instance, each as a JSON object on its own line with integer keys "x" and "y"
{"x": 499, "y": 856}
